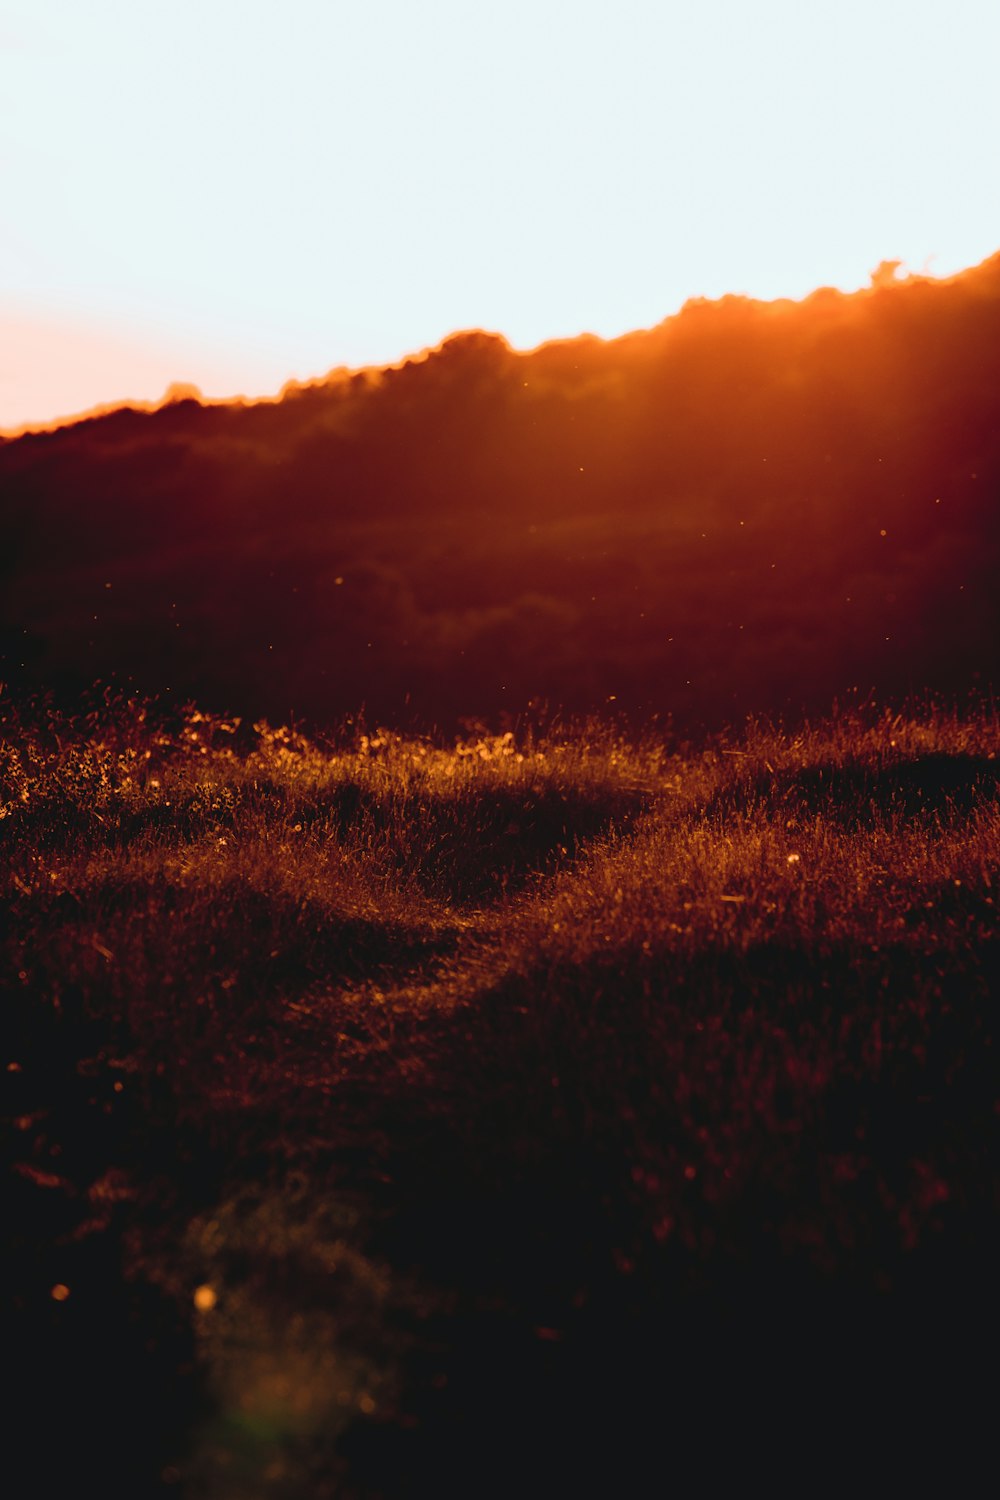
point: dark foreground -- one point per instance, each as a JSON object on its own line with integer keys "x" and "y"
{"x": 385, "y": 1119}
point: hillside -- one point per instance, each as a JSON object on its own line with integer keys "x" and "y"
{"x": 750, "y": 506}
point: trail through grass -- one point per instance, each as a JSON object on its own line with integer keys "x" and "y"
{"x": 385, "y": 1111}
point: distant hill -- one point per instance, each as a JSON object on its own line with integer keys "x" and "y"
{"x": 750, "y": 506}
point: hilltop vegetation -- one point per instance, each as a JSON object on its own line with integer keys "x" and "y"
{"x": 754, "y": 506}
{"x": 381, "y": 1105}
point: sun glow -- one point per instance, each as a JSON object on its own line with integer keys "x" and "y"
{"x": 218, "y": 195}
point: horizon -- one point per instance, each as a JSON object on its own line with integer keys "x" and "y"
{"x": 752, "y": 505}
{"x": 888, "y": 273}
{"x": 225, "y": 200}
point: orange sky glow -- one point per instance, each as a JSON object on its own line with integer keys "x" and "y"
{"x": 234, "y": 198}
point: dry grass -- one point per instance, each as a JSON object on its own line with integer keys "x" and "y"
{"x": 532, "y": 1086}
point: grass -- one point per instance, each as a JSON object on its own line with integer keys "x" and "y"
{"x": 393, "y": 1118}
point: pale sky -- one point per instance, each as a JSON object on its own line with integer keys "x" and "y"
{"x": 236, "y": 193}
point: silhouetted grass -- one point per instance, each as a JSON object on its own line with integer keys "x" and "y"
{"x": 390, "y": 1109}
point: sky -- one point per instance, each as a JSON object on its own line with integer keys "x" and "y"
{"x": 236, "y": 193}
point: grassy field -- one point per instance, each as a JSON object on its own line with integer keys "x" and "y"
{"x": 389, "y": 1118}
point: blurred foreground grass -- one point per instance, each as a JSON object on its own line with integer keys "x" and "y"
{"x": 382, "y": 1113}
